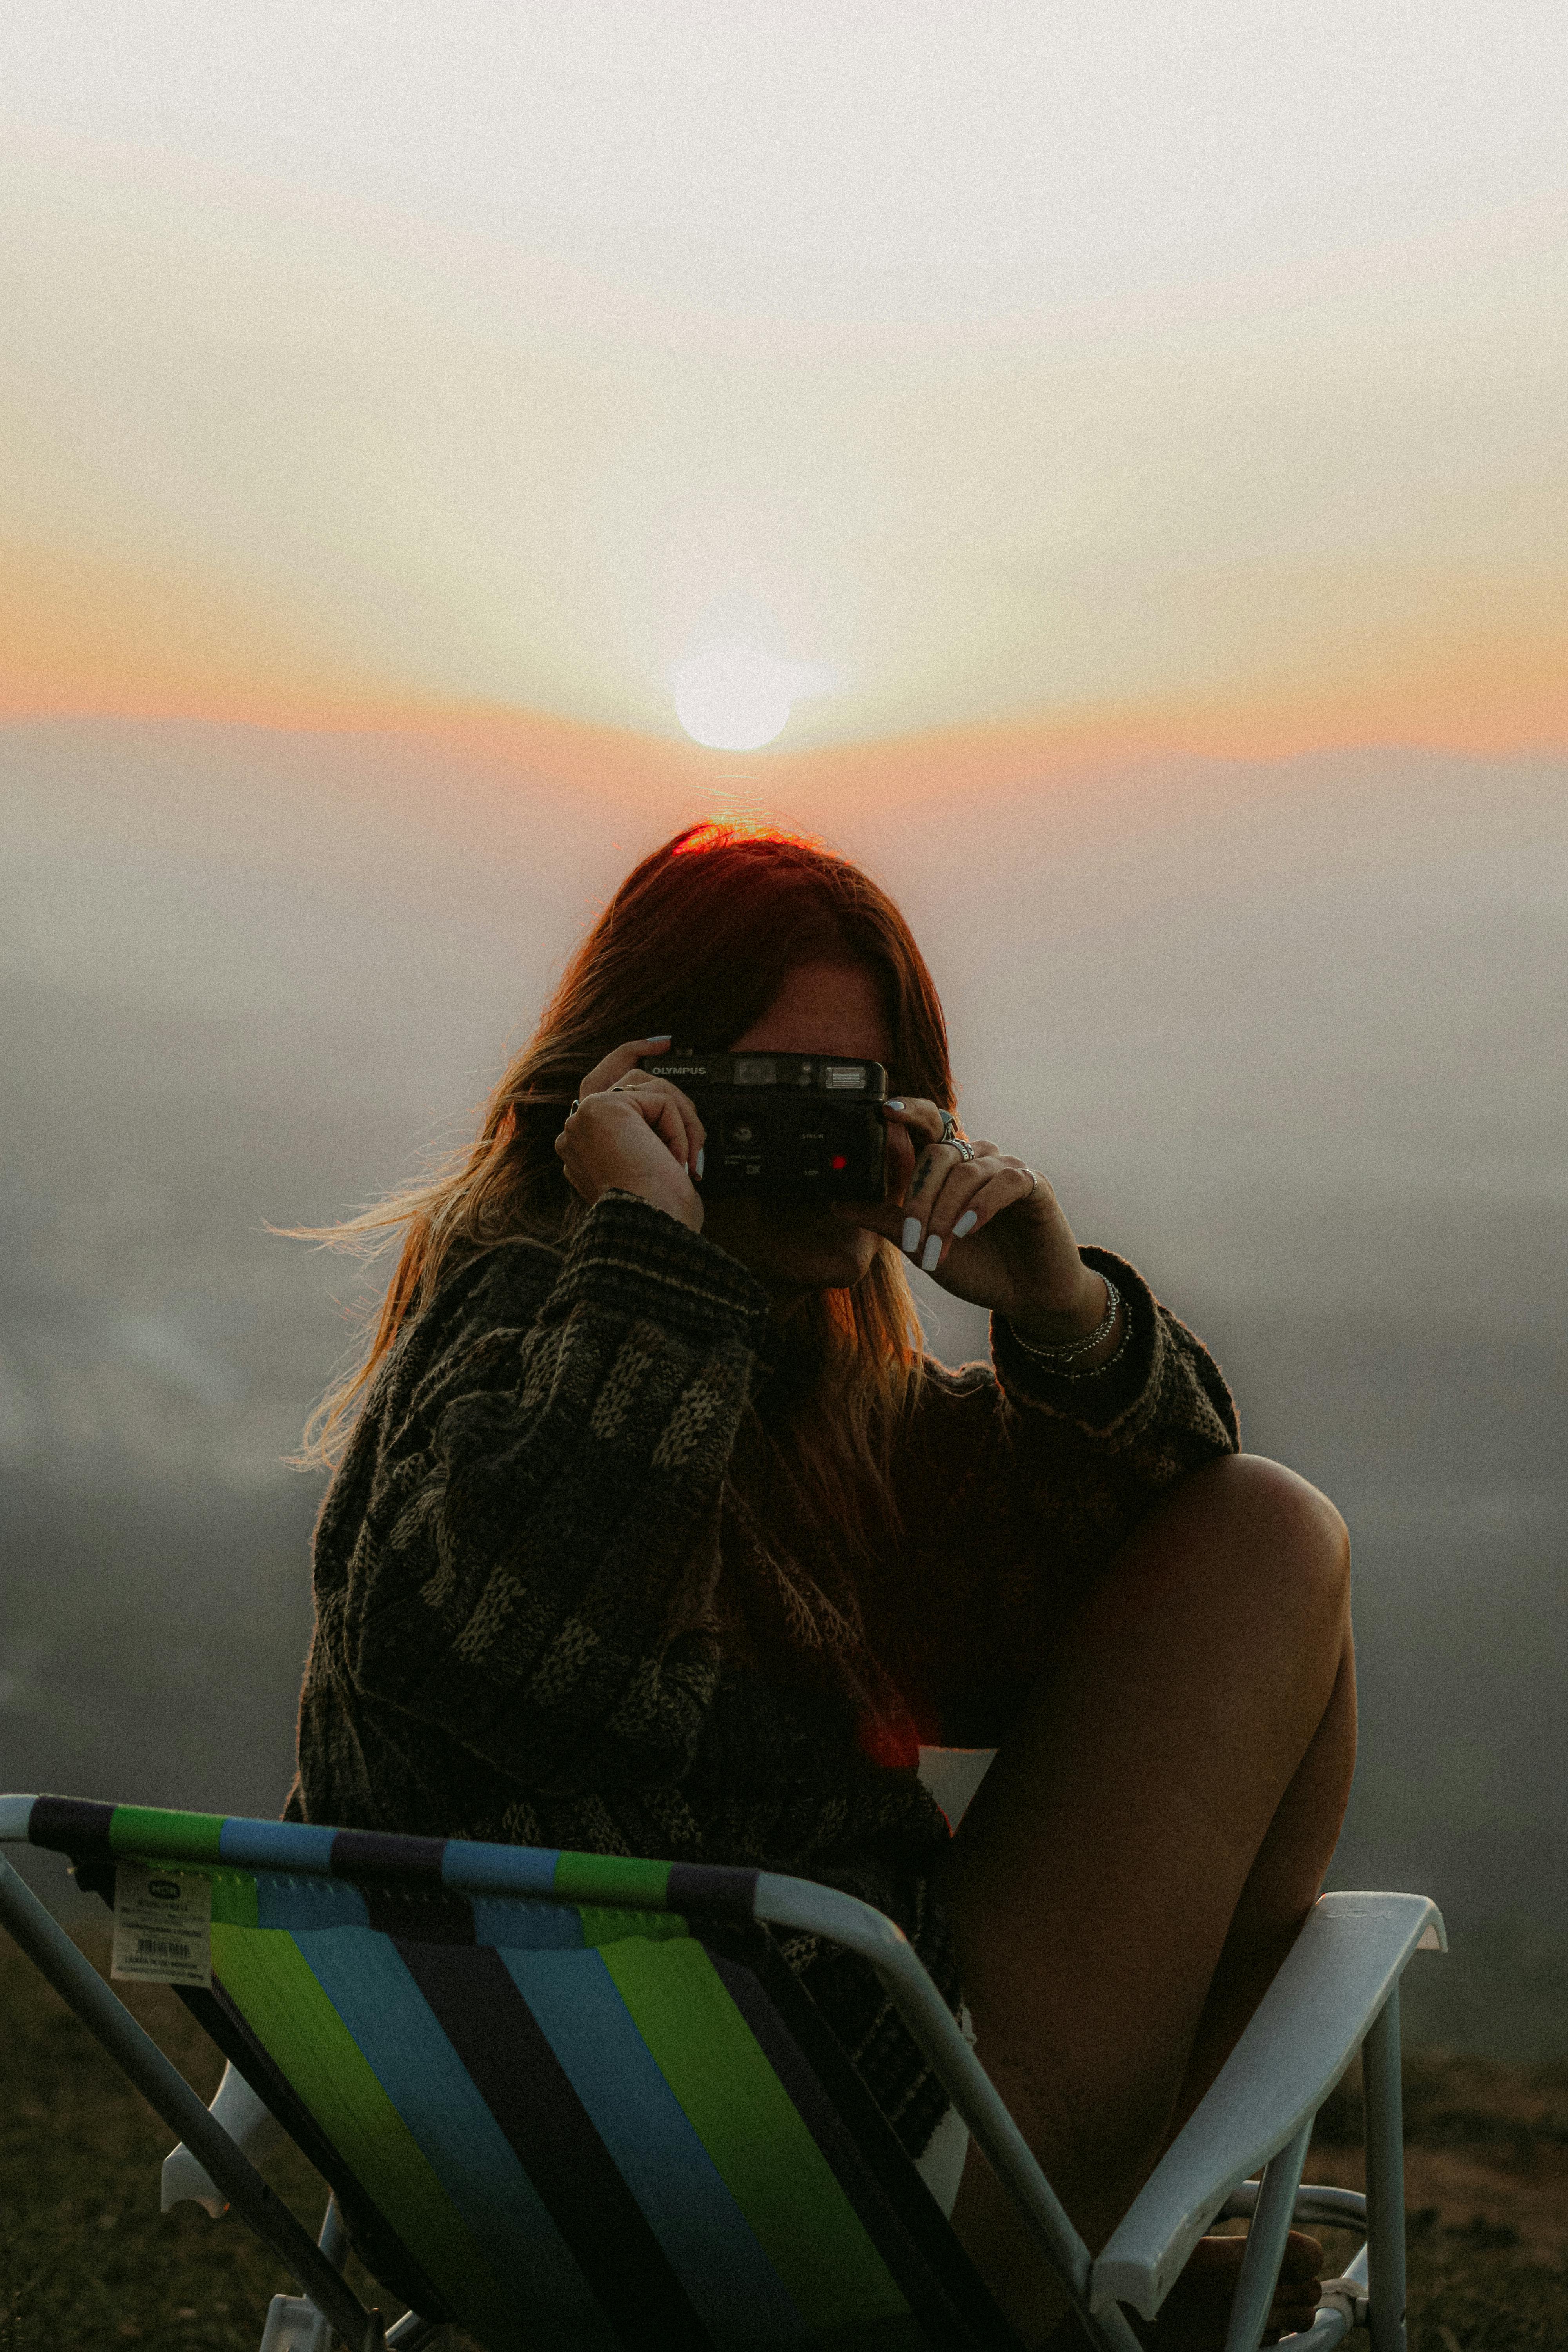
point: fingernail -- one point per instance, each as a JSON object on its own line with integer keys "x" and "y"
{"x": 932, "y": 1252}
{"x": 701, "y": 1155}
{"x": 663, "y": 1039}
{"x": 893, "y": 1106}
{"x": 965, "y": 1225}
{"x": 911, "y": 1240}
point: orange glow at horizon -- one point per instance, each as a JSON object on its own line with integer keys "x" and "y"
{"x": 87, "y": 639}
{"x": 1106, "y": 389}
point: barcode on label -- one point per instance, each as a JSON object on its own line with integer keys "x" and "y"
{"x": 163, "y": 1930}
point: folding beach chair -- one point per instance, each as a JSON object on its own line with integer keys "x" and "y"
{"x": 579, "y": 2100}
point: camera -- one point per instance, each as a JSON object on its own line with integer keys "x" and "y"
{"x": 805, "y": 1124}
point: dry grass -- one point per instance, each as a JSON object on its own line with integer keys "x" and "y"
{"x": 1486, "y": 2183}
{"x": 86, "y": 2260}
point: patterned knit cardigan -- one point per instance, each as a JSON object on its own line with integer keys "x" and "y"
{"x": 531, "y": 1568}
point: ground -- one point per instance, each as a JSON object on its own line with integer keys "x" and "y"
{"x": 86, "y": 2260}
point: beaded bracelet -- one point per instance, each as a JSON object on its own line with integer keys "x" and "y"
{"x": 1076, "y": 1348}
{"x": 1097, "y": 1371}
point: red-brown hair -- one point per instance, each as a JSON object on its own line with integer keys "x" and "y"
{"x": 696, "y": 942}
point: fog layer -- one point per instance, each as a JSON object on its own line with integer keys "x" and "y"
{"x": 1288, "y": 1037}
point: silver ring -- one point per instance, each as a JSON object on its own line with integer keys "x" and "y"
{"x": 576, "y": 1106}
{"x": 949, "y": 1127}
{"x": 964, "y": 1150}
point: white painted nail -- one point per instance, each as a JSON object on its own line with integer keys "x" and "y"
{"x": 932, "y": 1252}
{"x": 965, "y": 1225}
{"x": 894, "y": 1105}
{"x": 660, "y": 1037}
{"x": 701, "y": 1155}
{"x": 911, "y": 1240}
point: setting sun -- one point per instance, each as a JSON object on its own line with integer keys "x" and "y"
{"x": 734, "y": 699}
{"x": 1116, "y": 376}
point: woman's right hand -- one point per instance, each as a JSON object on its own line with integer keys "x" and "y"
{"x": 634, "y": 1133}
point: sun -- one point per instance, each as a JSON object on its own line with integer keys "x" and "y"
{"x": 733, "y": 699}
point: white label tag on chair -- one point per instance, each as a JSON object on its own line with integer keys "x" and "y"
{"x": 162, "y": 1925}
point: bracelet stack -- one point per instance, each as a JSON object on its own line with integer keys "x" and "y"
{"x": 1063, "y": 1360}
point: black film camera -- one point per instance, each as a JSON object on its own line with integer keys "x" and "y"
{"x": 808, "y": 1124}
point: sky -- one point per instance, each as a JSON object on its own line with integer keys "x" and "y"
{"x": 1034, "y": 382}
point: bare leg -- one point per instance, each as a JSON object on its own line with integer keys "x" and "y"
{"x": 1148, "y": 1840}
{"x": 1279, "y": 1888}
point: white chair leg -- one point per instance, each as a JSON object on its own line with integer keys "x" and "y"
{"x": 335, "y": 2238}
{"x": 293, "y": 2324}
{"x": 1266, "y": 2237}
{"x": 249, "y": 2123}
{"x": 1343, "y": 2306}
{"x": 1384, "y": 2179}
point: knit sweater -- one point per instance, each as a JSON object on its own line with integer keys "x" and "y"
{"x": 536, "y": 1585}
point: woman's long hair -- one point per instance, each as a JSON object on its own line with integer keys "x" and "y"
{"x": 698, "y": 942}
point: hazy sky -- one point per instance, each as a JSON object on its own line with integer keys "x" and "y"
{"x": 1121, "y": 376}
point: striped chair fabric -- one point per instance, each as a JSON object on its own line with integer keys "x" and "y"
{"x": 563, "y": 2099}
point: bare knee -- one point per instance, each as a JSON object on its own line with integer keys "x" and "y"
{"x": 1297, "y": 1523}
{"x": 1276, "y": 1526}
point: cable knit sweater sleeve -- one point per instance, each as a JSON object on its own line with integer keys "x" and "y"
{"x": 521, "y": 1548}
{"x": 1016, "y": 1485}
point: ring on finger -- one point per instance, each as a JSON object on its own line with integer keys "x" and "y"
{"x": 964, "y": 1150}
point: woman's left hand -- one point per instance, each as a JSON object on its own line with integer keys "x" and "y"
{"x": 987, "y": 1229}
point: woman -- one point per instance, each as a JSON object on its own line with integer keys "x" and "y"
{"x": 655, "y": 1531}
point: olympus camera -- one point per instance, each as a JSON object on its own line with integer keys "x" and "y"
{"x": 807, "y": 1125}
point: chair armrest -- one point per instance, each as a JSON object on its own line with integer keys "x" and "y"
{"x": 250, "y": 2124}
{"x": 1332, "y": 1983}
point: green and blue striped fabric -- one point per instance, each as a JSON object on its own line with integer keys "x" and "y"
{"x": 578, "y": 2096}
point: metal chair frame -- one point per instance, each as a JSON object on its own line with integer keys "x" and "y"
{"x": 1338, "y": 1989}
